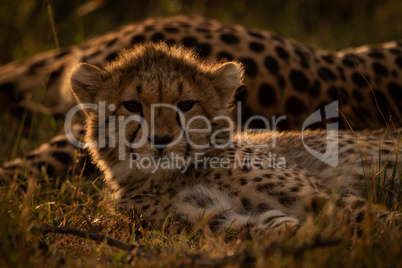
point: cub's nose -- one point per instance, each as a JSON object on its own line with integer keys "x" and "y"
{"x": 161, "y": 142}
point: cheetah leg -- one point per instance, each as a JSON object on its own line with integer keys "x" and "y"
{"x": 355, "y": 209}
{"x": 223, "y": 212}
{"x": 202, "y": 202}
{"x": 59, "y": 157}
{"x": 360, "y": 209}
{"x": 276, "y": 221}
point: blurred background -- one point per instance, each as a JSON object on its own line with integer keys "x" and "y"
{"x": 26, "y": 29}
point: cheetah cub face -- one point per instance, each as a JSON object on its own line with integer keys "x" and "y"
{"x": 155, "y": 103}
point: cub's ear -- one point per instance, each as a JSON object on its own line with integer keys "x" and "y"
{"x": 86, "y": 80}
{"x": 229, "y": 77}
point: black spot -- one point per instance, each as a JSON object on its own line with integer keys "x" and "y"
{"x": 357, "y": 95}
{"x": 261, "y": 208}
{"x": 359, "y": 80}
{"x": 60, "y": 143}
{"x": 295, "y": 106}
{"x": 189, "y": 41}
{"x": 257, "y": 35}
{"x": 137, "y": 39}
{"x": 295, "y": 189}
{"x": 204, "y": 50}
{"x": 171, "y": 29}
{"x": 395, "y": 51}
{"x": 315, "y": 90}
{"x": 301, "y": 54}
{"x": 62, "y": 54}
{"x": 229, "y": 39}
{"x": 170, "y": 42}
{"x": 266, "y": 95}
{"x": 63, "y": 157}
{"x": 55, "y": 75}
{"x": 398, "y": 61}
{"x": 172, "y": 192}
{"x": 257, "y": 179}
{"x": 349, "y": 63}
{"x": 281, "y": 82}
{"x": 326, "y": 74}
{"x": 250, "y": 65}
{"x": 32, "y": 156}
{"x": 338, "y": 93}
{"x": 341, "y": 72}
{"x": 224, "y": 55}
{"x": 360, "y": 217}
{"x": 50, "y": 170}
{"x": 245, "y": 168}
{"x": 349, "y": 60}
{"x": 283, "y": 54}
{"x": 112, "y": 56}
{"x": 394, "y": 74}
{"x": 305, "y": 64}
{"x": 157, "y": 37}
{"x": 246, "y": 203}
{"x": 32, "y": 68}
{"x": 111, "y": 42}
{"x": 256, "y": 47}
{"x": 385, "y": 151}
{"x": 299, "y": 81}
{"x": 287, "y": 201}
{"x": 380, "y": 69}
{"x": 328, "y": 58}
{"x": 241, "y": 94}
{"x": 395, "y": 90}
{"x": 271, "y": 64}
{"x": 243, "y": 181}
{"x": 267, "y": 176}
{"x": 217, "y": 176}
{"x": 377, "y": 55}
{"x": 136, "y": 197}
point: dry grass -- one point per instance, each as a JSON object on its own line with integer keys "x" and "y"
{"x": 325, "y": 240}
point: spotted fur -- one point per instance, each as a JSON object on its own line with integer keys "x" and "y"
{"x": 282, "y": 76}
{"x": 260, "y": 196}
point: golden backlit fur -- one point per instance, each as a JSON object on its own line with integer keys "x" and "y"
{"x": 273, "y": 197}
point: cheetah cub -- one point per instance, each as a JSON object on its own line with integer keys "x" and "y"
{"x": 158, "y": 125}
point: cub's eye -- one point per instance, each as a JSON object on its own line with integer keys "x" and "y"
{"x": 185, "y": 106}
{"x": 133, "y": 106}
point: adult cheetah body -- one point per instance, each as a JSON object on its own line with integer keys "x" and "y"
{"x": 283, "y": 76}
